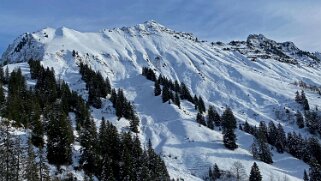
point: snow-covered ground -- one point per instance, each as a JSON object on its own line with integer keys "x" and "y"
{"x": 254, "y": 90}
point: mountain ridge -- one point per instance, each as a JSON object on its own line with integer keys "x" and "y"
{"x": 253, "y": 41}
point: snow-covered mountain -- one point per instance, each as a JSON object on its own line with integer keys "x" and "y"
{"x": 254, "y": 77}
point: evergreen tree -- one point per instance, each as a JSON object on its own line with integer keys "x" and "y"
{"x": 305, "y": 104}
{"x": 311, "y": 120}
{"x": 177, "y": 87}
{"x": 157, "y": 89}
{"x": 60, "y": 137}
{"x": 301, "y": 99}
{"x": 216, "y": 172}
{"x": 16, "y": 99}
{"x": 314, "y": 172}
{"x": 228, "y": 119}
{"x": 166, "y": 94}
{"x": 134, "y": 123}
{"x": 6, "y": 76}
{"x": 255, "y": 174}
{"x": 88, "y": 141}
{"x": 210, "y": 174}
{"x": 272, "y": 133}
{"x": 109, "y": 150}
{"x": 298, "y": 98}
{"x": 156, "y": 166}
{"x": 42, "y": 167}
{"x": 31, "y": 165}
{"x": 2, "y": 98}
{"x": 10, "y": 154}
{"x": 304, "y": 101}
{"x": 195, "y": 99}
{"x": 200, "y": 119}
{"x": 108, "y": 86}
{"x": 229, "y": 124}
{"x": 263, "y": 150}
{"x": 185, "y": 93}
{"x": 247, "y": 128}
{"x": 262, "y": 132}
{"x": 229, "y": 139}
{"x": 37, "y": 133}
{"x": 213, "y": 118}
{"x": 201, "y": 105}
{"x": 305, "y": 176}
{"x": 280, "y": 142}
{"x": 177, "y": 100}
{"x": 126, "y": 168}
{"x": 314, "y": 149}
{"x": 1, "y": 75}
{"x": 254, "y": 149}
{"x": 299, "y": 119}
{"x": 107, "y": 172}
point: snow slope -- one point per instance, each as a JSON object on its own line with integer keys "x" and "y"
{"x": 223, "y": 74}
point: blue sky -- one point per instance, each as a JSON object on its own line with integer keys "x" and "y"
{"x": 213, "y": 20}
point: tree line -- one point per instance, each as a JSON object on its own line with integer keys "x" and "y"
{"x": 306, "y": 149}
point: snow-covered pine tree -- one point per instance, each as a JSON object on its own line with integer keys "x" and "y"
{"x": 255, "y": 174}
{"x": 280, "y": 142}
{"x": 228, "y": 125}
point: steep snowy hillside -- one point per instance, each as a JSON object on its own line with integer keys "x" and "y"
{"x": 254, "y": 77}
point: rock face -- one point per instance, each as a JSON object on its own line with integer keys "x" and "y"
{"x": 258, "y": 46}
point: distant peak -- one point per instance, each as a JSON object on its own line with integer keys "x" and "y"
{"x": 62, "y": 28}
{"x": 153, "y": 23}
{"x": 259, "y": 37}
{"x": 64, "y": 31}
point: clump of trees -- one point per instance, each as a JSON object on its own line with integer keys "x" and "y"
{"x": 124, "y": 108}
{"x": 301, "y": 99}
{"x": 45, "y": 109}
{"x": 306, "y": 149}
{"x": 260, "y": 147}
{"x": 18, "y": 157}
{"x": 98, "y": 88}
{"x": 172, "y": 91}
{"x": 110, "y": 155}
